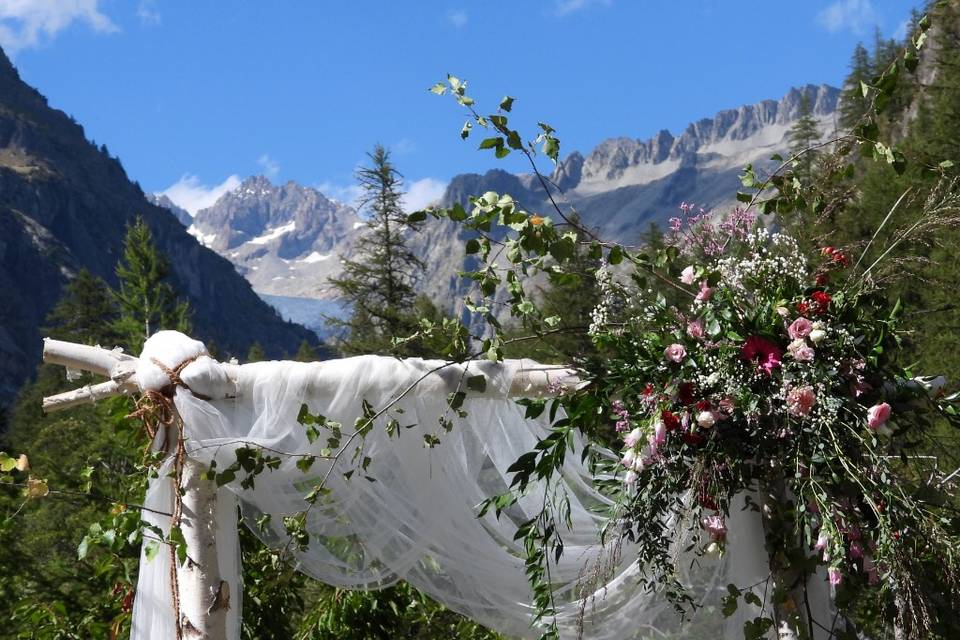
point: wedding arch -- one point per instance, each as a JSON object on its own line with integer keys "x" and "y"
{"x": 328, "y": 460}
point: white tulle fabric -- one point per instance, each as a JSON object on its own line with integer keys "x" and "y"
{"x": 416, "y": 518}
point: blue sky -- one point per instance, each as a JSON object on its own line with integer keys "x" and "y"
{"x": 194, "y": 95}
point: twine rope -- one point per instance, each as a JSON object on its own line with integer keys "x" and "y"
{"x": 156, "y": 411}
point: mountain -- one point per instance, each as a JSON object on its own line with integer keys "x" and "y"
{"x": 288, "y": 240}
{"x": 65, "y": 205}
{"x": 624, "y": 184}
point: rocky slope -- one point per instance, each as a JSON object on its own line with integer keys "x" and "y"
{"x": 288, "y": 240}
{"x": 65, "y": 204}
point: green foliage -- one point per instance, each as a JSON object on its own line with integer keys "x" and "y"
{"x": 804, "y": 134}
{"x": 86, "y": 312}
{"x": 256, "y": 353}
{"x": 146, "y": 299}
{"x": 379, "y": 283}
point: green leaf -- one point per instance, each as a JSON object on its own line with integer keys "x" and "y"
{"x": 501, "y": 152}
{"x": 507, "y": 103}
{"x": 179, "y": 542}
{"x": 439, "y": 89}
{"x": 150, "y": 550}
{"x": 477, "y": 383}
{"x": 472, "y": 246}
{"x": 616, "y": 255}
{"x": 492, "y": 143}
{"x": 455, "y": 400}
{"x": 551, "y": 148}
{"x": 304, "y": 463}
{"x": 417, "y": 216}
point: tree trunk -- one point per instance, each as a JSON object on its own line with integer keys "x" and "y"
{"x": 204, "y": 595}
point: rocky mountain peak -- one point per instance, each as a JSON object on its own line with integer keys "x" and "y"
{"x": 726, "y": 137}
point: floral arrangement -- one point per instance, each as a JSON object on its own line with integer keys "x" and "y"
{"x": 760, "y": 369}
{"x": 733, "y": 359}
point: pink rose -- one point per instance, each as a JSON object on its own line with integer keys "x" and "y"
{"x": 705, "y": 292}
{"x": 800, "y": 401}
{"x": 800, "y": 328}
{"x": 695, "y": 329}
{"x": 715, "y": 526}
{"x": 687, "y": 275}
{"x": 800, "y": 350}
{"x": 877, "y": 415}
{"x": 675, "y": 353}
{"x": 836, "y": 577}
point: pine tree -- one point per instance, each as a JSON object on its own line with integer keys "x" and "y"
{"x": 306, "y": 353}
{"x": 85, "y": 313}
{"x": 853, "y": 105}
{"x": 804, "y": 133}
{"x": 379, "y": 283}
{"x": 147, "y": 301}
{"x": 256, "y": 353}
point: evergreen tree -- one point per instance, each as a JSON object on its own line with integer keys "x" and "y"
{"x": 86, "y": 312}
{"x": 306, "y": 353}
{"x": 256, "y": 353}
{"x": 379, "y": 282}
{"x": 804, "y": 133}
{"x": 147, "y": 301}
{"x": 853, "y": 105}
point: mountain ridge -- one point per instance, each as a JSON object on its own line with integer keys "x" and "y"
{"x": 64, "y": 205}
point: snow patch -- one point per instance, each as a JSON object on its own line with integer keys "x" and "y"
{"x": 315, "y": 257}
{"x": 204, "y": 239}
{"x": 274, "y": 234}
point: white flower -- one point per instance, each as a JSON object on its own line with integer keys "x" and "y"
{"x": 630, "y": 477}
{"x": 817, "y": 335}
{"x": 706, "y": 419}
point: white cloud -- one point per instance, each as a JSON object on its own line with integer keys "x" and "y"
{"x": 566, "y": 7}
{"x": 422, "y": 193}
{"x": 269, "y": 165}
{"x": 348, "y": 195}
{"x": 148, "y": 13}
{"x": 457, "y": 18}
{"x": 187, "y": 193}
{"x": 31, "y": 23}
{"x": 853, "y": 15}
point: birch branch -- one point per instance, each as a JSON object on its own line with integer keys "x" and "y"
{"x": 531, "y": 380}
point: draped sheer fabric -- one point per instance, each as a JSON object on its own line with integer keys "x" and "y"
{"x": 412, "y": 514}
